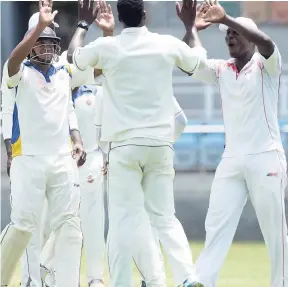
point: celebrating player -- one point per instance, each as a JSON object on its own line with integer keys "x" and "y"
{"x": 253, "y": 163}
{"x": 167, "y": 229}
{"x": 138, "y": 123}
{"x": 91, "y": 185}
{"x": 41, "y": 150}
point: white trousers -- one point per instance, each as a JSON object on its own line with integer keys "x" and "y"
{"x": 168, "y": 230}
{"x": 136, "y": 170}
{"x": 263, "y": 178}
{"x": 92, "y": 214}
{"x": 92, "y": 224}
{"x": 34, "y": 178}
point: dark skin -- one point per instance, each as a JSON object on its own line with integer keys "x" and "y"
{"x": 9, "y": 154}
{"x": 87, "y": 13}
{"x": 187, "y": 14}
{"x": 240, "y": 39}
{"x": 24, "y": 48}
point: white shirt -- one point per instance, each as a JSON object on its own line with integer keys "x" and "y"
{"x": 180, "y": 121}
{"x": 138, "y": 66}
{"x": 10, "y": 116}
{"x": 249, "y": 102}
{"x": 8, "y": 102}
{"x": 78, "y": 77}
{"x": 42, "y": 112}
{"x": 85, "y": 101}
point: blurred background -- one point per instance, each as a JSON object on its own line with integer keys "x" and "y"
{"x": 199, "y": 150}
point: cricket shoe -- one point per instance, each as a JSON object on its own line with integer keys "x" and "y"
{"x": 96, "y": 283}
{"x": 47, "y": 277}
{"x": 186, "y": 283}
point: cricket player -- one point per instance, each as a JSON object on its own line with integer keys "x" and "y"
{"x": 138, "y": 122}
{"x": 7, "y": 104}
{"x": 167, "y": 228}
{"x": 91, "y": 185}
{"x": 92, "y": 214}
{"x": 253, "y": 163}
{"x": 44, "y": 238}
{"x": 41, "y": 151}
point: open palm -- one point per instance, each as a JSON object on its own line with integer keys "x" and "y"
{"x": 215, "y": 12}
{"x": 105, "y": 19}
{"x": 200, "y": 22}
{"x": 46, "y": 16}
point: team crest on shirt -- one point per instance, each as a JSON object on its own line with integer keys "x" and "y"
{"x": 90, "y": 178}
{"x": 89, "y": 102}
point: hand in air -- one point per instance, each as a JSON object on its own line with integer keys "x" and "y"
{"x": 105, "y": 19}
{"x": 46, "y": 16}
{"x": 187, "y": 12}
{"x": 200, "y": 22}
{"x": 87, "y": 11}
{"x": 215, "y": 12}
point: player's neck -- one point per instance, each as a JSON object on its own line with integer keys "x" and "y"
{"x": 243, "y": 60}
{"x": 139, "y": 26}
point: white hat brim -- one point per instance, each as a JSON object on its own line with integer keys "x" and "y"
{"x": 223, "y": 28}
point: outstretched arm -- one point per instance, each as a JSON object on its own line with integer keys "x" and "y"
{"x": 263, "y": 42}
{"x": 187, "y": 13}
{"x": 23, "y": 49}
{"x": 190, "y": 14}
{"x": 86, "y": 16}
{"x": 216, "y": 14}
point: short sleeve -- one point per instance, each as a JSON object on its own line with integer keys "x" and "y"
{"x": 210, "y": 72}
{"x": 273, "y": 63}
{"x": 188, "y": 59}
{"x": 80, "y": 77}
{"x": 13, "y": 81}
{"x": 8, "y": 103}
{"x": 93, "y": 54}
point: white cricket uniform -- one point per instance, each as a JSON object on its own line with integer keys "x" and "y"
{"x": 42, "y": 162}
{"x": 91, "y": 183}
{"x": 138, "y": 121}
{"x": 253, "y": 164}
{"x": 167, "y": 228}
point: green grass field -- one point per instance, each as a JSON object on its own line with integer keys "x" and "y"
{"x": 246, "y": 265}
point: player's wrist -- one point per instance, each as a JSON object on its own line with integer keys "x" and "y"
{"x": 83, "y": 24}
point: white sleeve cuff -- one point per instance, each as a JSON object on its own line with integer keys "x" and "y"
{"x": 7, "y": 124}
{"x": 15, "y": 79}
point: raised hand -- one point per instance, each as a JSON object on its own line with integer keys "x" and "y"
{"x": 215, "y": 12}
{"x": 200, "y": 23}
{"x": 46, "y": 16}
{"x": 105, "y": 19}
{"x": 187, "y": 12}
{"x": 87, "y": 11}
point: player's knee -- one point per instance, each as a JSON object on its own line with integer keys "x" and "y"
{"x": 24, "y": 220}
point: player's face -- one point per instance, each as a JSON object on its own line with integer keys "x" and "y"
{"x": 237, "y": 44}
{"x": 45, "y": 50}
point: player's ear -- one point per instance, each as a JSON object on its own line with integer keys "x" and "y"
{"x": 119, "y": 18}
{"x": 144, "y": 15}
